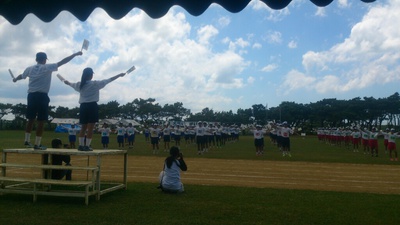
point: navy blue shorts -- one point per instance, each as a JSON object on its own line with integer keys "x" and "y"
{"x": 120, "y": 139}
{"x": 72, "y": 138}
{"x": 154, "y": 140}
{"x": 105, "y": 140}
{"x": 38, "y": 106}
{"x": 131, "y": 138}
{"x": 259, "y": 142}
{"x": 88, "y": 113}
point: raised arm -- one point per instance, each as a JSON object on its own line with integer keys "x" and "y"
{"x": 117, "y": 76}
{"x": 69, "y": 58}
{"x": 182, "y": 163}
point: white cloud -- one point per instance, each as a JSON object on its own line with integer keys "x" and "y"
{"x": 250, "y": 80}
{"x": 224, "y": 21}
{"x": 321, "y": 12}
{"x": 343, "y": 4}
{"x": 369, "y": 56}
{"x": 273, "y": 37}
{"x": 206, "y": 33}
{"x": 269, "y": 68}
{"x": 239, "y": 44}
{"x": 292, "y": 44}
{"x": 271, "y": 14}
{"x": 257, "y": 46}
{"x": 295, "y": 80}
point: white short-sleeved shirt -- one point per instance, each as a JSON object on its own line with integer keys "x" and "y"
{"x": 105, "y": 132}
{"x": 154, "y": 132}
{"x": 91, "y": 90}
{"x": 130, "y": 130}
{"x": 200, "y": 131}
{"x": 286, "y": 131}
{"x": 172, "y": 177}
{"x": 73, "y": 131}
{"x": 121, "y": 131}
{"x": 167, "y": 131}
{"x": 258, "y": 134}
{"x": 39, "y": 77}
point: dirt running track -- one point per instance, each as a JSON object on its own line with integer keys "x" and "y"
{"x": 382, "y": 179}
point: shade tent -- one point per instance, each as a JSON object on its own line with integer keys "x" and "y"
{"x": 65, "y": 121}
{"x": 109, "y": 121}
{"x": 125, "y": 122}
{"x": 15, "y": 10}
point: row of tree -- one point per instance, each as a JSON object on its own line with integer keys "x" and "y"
{"x": 366, "y": 111}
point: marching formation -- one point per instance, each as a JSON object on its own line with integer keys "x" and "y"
{"x": 363, "y": 140}
{"x": 279, "y": 135}
{"x": 205, "y": 135}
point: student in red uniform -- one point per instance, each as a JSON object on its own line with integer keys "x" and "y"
{"x": 392, "y": 144}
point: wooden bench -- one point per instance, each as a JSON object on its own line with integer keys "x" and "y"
{"x": 88, "y": 184}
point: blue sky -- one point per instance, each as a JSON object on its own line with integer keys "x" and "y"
{"x": 220, "y": 60}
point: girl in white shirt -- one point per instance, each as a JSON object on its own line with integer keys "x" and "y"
{"x": 170, "y": 178}
{"x": 89, "y": 94}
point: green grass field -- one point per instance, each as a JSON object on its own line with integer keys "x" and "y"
{"x": 142, "y": 203}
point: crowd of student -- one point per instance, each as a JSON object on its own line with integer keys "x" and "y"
{"x": 279, "y": 135}
{"x": 356, "y": 138}
{"x": 205, "y": 135}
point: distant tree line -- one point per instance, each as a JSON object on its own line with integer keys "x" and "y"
{"x": 367, "y": 112}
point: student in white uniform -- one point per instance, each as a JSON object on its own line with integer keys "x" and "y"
{"x": 89, "y": 96}
{"x": 259, "y": 134}
{"x": 38, "y": 99}
{"x": 105, "y": 135}
{"x": 170, "y": 177}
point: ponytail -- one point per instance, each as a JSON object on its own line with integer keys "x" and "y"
{"x": 86, "y": 76}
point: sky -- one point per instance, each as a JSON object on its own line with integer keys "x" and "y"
{"x": 220, "y": 60}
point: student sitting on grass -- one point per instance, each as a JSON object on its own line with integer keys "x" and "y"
{"x": 170, "y": 178}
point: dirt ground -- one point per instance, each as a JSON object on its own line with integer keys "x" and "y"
{"x": 382, "y": 179}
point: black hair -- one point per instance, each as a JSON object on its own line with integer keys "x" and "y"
{"x": 55, "y": 143}
{"x": 87, "y": 74}
{"x": 174, "y": 153}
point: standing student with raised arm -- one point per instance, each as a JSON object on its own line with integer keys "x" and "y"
{"x": 89, "y": 95}
{"x": 38, "y": 99}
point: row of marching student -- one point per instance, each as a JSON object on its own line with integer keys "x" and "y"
{"x": 279, "y": 135}
{"x": 357, "y": 138}
{"x": 205, "y": 135}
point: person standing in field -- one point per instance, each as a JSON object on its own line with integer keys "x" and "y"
{"x": 285, "y": 139}
{"x": 154, "y": 137}
{"x": 365, "y": 140}
{"x": 89, "y": 95}
{"x": 373, "y": 142}
{"x": 131, "y": 131}
{"x": 258, "y": 134}
{"x": 200, "y": 131}
{"x": 38, "y": 99}
{"x": 105, "y": 135}
{"x": 392, "y": 136}
{"x": 147, "y": 134}
{"x": 386, "y": 139}
{"x": 72, "y": 131}
{"x": 356, "y": 135}
{"x": 167, "y": 137}
{"x": 121, "y": 131}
